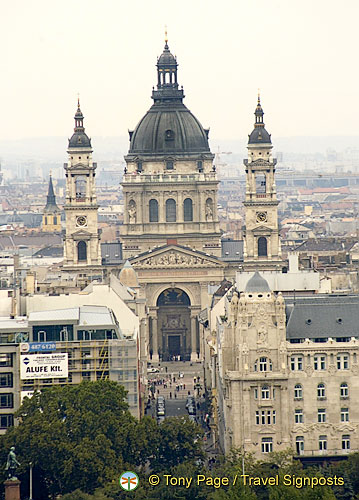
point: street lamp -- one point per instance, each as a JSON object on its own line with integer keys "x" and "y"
{"x": 30, "y": 492}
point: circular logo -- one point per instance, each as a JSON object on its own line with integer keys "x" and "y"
{"x": 24, "y": 347}
{"x": 129, "y": 480}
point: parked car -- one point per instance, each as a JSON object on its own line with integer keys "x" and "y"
{"x": 161, "y": 412}
{"x": 153, "y": 370}
{"x": 160, "y": 419}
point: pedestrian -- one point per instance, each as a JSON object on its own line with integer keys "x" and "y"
{"x": 184, "y": 386}
{"x": 166, "y": 369}
{"x": 170, "y": 395}
{"x": 175, "y": 396}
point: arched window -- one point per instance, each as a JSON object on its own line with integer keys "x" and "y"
{"x": 299, "y": 444}
{"x": 187, "y": 210}
{"x": 265, "y": 393}
{"x": 81, "y": 251}
{"x": 298, "y": 391}
{"x": 171, "y": 210}
{"x": 344, "y": 390}
{"x": 260, "y": 183}
{"x": 80, "y": 186}
{"x": 263, "y": 365}
{"x": 153, "y": 210}
{"x": 262, "y": 246}
{"x": 321, "y": 391}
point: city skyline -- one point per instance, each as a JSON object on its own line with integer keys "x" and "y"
{"x": 296, "y": 54}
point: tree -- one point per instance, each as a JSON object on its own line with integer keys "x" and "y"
{"x": 179, "y": 440}
{"x": 76, "y": 436}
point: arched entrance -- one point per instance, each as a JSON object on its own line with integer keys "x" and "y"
{"x": 174, "y": 324}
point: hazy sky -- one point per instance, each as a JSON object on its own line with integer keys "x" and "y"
{"x": 302, "y": 54}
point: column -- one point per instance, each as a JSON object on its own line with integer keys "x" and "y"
{"x": 155, "y": 356}
{"x": 143, "y": 339}
{"x": 75, "y": 260}
{"x": 194, "y": 356}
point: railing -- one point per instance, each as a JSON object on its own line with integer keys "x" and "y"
{"x": 164, "y": 177}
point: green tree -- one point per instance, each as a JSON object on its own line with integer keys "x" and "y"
{"x": 76, "y": 436}
{"x": 179, "y": 440}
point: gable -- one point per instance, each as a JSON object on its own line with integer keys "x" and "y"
{"x": 174, "y": 257}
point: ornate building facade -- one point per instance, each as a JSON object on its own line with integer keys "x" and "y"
{"x": 287, "y": 373}
{"x": 261, "y": 240}
{"x": 171, "y": 231}
{"x": 82, "y": 237}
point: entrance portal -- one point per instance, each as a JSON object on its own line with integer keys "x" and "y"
{"x": 174, "y": 345}
{"x": 174, "y": 325}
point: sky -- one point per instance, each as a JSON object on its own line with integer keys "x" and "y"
{"x": 301, "y": 54}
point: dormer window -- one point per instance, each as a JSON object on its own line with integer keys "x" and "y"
{"x": 139, "y": 166}
{"x": 169, "y": 165}
{"x": 169, "y": 135}
{"x": 200, "y": 166}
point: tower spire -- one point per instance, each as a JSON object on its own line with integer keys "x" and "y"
{"x": 51, "y": 199}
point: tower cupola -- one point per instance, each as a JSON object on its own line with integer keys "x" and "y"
{"x": 259, "y": 134}
{"x": 167, "y": 83}
{"x": 79, "y": 138}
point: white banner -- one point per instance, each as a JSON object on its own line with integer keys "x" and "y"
{"x": 36, "y": 366}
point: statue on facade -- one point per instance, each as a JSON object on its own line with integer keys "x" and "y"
{"x": 132, "y": 212}
{"x": 209, "y": 212}
{"x": 12, "y": 464}
{"x": 234, "y": 306}
{"x": 262, "y": 334}
{"x": 280, "y": 306}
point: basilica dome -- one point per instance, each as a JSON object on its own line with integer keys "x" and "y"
{"x": 168, "y": 128}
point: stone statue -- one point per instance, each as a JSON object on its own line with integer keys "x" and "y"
{"x": 262, "y": 334}
{"x": 280, "y": 306}
{"x": 234, "y": 306}
{"x": 11, "y": 464}
{"x": 132, "y": 213}
{"x": 209, "y": 213}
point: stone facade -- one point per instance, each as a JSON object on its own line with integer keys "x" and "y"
{"x": 82, "y": 237}
{"x": 171, "y": 233}
{"x": 261, "y": 242}
{"x": 167, "y": 274}
{"x": 273, "y": 394}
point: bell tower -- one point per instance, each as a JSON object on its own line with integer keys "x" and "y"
{"x": 82, "y": 236}
{"x": 261, "y": 241}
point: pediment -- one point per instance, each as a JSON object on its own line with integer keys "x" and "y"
{"x": 262, "y": 229}
{"x": 79, "y": 166}
{"x": 81, "y": 233}
{"x": 175, "y": 256}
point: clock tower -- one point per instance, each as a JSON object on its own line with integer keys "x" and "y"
{"x": 82, "y": 237}
{"x": 261, "y": 242}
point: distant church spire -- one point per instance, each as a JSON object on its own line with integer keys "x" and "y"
{"x": 51, "y": 199}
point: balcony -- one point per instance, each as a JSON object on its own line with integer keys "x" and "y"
{"x": 170, "y": 178}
